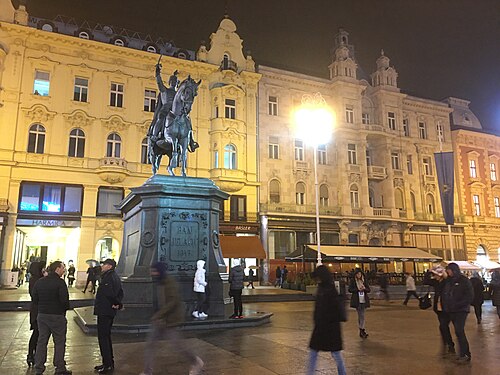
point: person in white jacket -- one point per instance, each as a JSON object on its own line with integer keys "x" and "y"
{"x": 199, "y": 285}
{"x": 411, "y": 289}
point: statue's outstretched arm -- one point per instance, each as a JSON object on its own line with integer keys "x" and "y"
{"x": 159, "y": 81}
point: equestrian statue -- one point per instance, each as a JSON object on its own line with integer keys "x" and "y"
{"x": 171, "y": 132}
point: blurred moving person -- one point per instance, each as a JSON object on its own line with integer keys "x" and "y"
{"x": 411, "y": 289}
{"x": 478, "y": 300}
{"x": 495, "y": 290}
{"x": 36, "y": 273}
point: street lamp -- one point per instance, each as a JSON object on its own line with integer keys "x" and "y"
{"x": 314, "y": 124}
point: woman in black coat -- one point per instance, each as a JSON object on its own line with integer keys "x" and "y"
{"x": 495, "y": 290}
{"x": 328, "y": 313}
{"x": 360, "y": 301}
{"x": 36, "y": 272}
{"x": 478, "y": 300}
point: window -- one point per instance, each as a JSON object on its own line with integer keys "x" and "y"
{"x": 238, "y": 208}
{"x": 368, "y": 157}
{"x": 409, "y": 164}
{"x": 230, "y": 157}
{"x": 273, "y": 106}
{"x": 323, "y": 195}
{"x": 354, "y": 195}
{"x": 216, "y": 159}
{"x": 119, "y": 42}
{"x": 36, "y": 139}
{"x": 81, "y": 89}
{"x": 274, "y": 148}
{"x": 440, "y": 132}
{"x": 149, "y": 100}
{"x": 83, "y": 35}
{"x": 472, "y": 168}
{"x": 300, "y": 193}
{"x": 216, "y": 111}
{"x": 116, "y": 95}
{"x": 399, "y": 201}
{"x": 365, "y": 118}
{"x": 391, "y": 120}
{"x": 493, "y": 171}
{"x": 145, "y": 151}
{"x": 351, "y": 153}
{"x": 395, "y": 160}
{"x": 299, "y": 150}
{"x": 230, "y": 109}
{"x": 47, "y": 27}
{"x": 107, "y": 199}
{"x": 406, "y": 127}
{"x": 151, "y": 49}
{"x": 422, "y": 130}
{"x": 322, "y": 154}
{"x": 427, "y": 166}
{"x": 274, "y": 191}
{"x": 349, "y": 114}
{"x": 114, "y": 144}
{"x": 76, "y": 147}
{"x": 497, "y": 206}
{"x": 477, "y": 206}
{"x": 41, "y": 85}
{"x": 51, "y": 198}
{"x": 429, "y": 199}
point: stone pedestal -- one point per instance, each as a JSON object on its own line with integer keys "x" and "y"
{"x": 174, "y": 220}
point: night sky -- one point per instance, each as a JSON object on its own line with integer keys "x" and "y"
{"x": 440, "y": 48}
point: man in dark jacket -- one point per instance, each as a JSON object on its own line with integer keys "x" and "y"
{"x": 108, "y": 301}
{"x": 235, "y": 286}
{"x": 51, "y": 295}
{"x": 457, "y": 297}
{"x": 477, "y": 302}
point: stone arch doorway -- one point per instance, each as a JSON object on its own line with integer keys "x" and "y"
{"x": 107, "y": 247}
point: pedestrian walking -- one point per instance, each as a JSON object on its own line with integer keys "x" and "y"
{"x": 71, "y": 273}
{"x": 51, "y": 295}
{"x": 91, "y": 279}
{"x": 284, "y": 275}
{"x": 35, "y": 272}
{"x": 328, "y": 313}
{"x": 199, "y": 285}
{"x": 168, "y": 315}
{"x": 411, "y": 289}
{"x": 359, "y": 289}
{"x": 436, "y": 278}
{"x": 384, "y": 285}
{"x": 108, "y": 301}
{"x": 478, "y": 300}
{"x": 457, "y": 297}
{"x": 250, "y": 278}
{"x": 235, "y": 287}
{"x": 278, "y": 277}
{"x": 495, "y": 290}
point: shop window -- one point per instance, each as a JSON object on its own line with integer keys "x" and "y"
{"x": 107, "y": 199}
{"x": 230, "y": 157}
{"x": 113, "y": 146}
{"x": 41, "y": 86}
{"x": 116, "y": 95}
{"x": 145, "y": 152}
{"x": 53, "y": 198}
{"x": 274, "y": 191}
{"x": 81, "y": 89}
{"x": 238, "y": 208}
{"x": 72, "y": 198}
{"x": 149, "y": 100}
{"x": 30, "y": 197}
{"x": 36, "y": 139}
{"x": 76, "y": 147}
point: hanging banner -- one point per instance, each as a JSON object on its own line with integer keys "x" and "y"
{"x": 445, "y": 174}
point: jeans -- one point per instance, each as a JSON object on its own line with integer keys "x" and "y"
{"x": 104, "y": 324}
{"x": 313, "y": 358}
{"x": 361, "y": 315}
{"x": 444, "y": 328}
{"x": 238, "y": 305}
{"x": 458, "y": 319}
{"x": 200, "y": 301}
{"x": 410, "y": 293}
{"x": 55, "y": 325}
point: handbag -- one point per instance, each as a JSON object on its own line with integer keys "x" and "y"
{"x": 425, "y": 301}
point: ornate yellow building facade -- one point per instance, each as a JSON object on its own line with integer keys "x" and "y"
{"x": 76, "y": 103}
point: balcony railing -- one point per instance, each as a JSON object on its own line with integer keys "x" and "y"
{"x": 300, "y": 209}
{"x": 357, "y": 211}
{"x": 382, "y": 212}
{"x": 228, "y": 65}
{"x": 403, "y": 214}
{"x": 376, "y": 172}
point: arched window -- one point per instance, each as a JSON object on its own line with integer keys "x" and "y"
{"x": 413, "y": 202}
{"x": 300, "y": 193}
{"x": 274, "y": 191}
{"x": 119, "y": 42}
{"x": 76, "y": 147}
{"x": 151, "y": 49}
{"x": 230, "y": 157}
{"x": 182, "y": 55}
{"x": 323, "y": 195}
{"x": 481, "y": 254}
{"x": 429, "y": 201}
{"x": 36, "y": 139}
{"x": 354, "y": 195}
{"x": 83, "y": 35}
{"x": 145, "y": 152}
{"x": 47, "y": 27}
{"x": 399, "y": 200}
{"x": 113, "y": 146}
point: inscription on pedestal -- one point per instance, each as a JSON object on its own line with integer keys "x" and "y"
{"x": 184, "y": 242}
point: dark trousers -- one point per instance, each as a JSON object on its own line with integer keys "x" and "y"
{"x": 444, "y": 328}
{"x": 458, "y": 319}
{"x": 200, "y": 301}
{"x": 238, "y": 305}
{"x": 104, "y": 324}
{"x": 33, "y": 341}
{"x": 410, "y": 293}
{"x": 478, "y": 310}
{"x": 92, "y": 290}
{"x": 55, "y": 325}
{"x": 70, "y": 281}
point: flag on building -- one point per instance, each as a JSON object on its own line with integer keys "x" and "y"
{"x": 444, "y": 169}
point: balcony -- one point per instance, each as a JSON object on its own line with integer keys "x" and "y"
{"x": 310, "y": 209}
{"x": 356, "y": 211}
{"x": 377, "y": 128}
{"x": 112, "y": 170}
{"x": 354, "y": 168}
{"x": 228, "y": 65}
{"x": 398, "y": 173}
{"x": 377, "y": 173}
{"x": 387, "y": 212}
{"x": 229, "y": 180}
{"x": 429, "y": 178}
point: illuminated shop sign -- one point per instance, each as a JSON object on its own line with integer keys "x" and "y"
{"x": 47, "y": 223}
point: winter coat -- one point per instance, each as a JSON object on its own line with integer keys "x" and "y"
{"x": 495, "y": 289}
{"x": 327, "y": 335}
{"x": 478, "y": 287}
{"x": 236, "y": 278}
{"x": 353, "y": 289}
{"x": 35, "y": 271}
{"x": 109, "y": 293}
{"x": 457, "y": 293}
{"x": 199, "y": 282}
{"x": 71, "y": 272}
{"x": 170, "y": 307}
{"x": 410, "y": 284}
{"x": 51, "y": 295}
{"x": 438, "y": 290}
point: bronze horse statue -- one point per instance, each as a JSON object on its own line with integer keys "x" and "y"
{"x": 176, "y": 130}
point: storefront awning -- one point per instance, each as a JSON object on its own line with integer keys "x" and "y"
{"x": 487, "y": 264}
{"x": 374, "y": 254}
{"x": 464, "y": 265}
{"x": 242, "y": 247}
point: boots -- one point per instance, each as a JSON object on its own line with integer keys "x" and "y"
{"x": 362, "y": 333}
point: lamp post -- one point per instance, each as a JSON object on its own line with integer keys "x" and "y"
{"x": 314, "y": 125}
